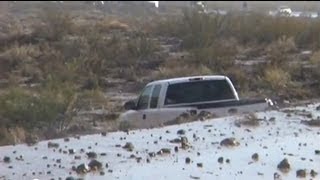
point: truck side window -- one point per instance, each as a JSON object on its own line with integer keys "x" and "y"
{"x": 155, "y": 96}
{"x": 144, "y": 98}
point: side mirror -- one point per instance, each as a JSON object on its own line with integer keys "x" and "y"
{"x": 130, "y": 105}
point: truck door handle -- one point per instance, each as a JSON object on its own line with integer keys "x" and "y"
{"x": 144, "y": 116}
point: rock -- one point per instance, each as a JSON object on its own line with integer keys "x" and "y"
{"x": 301, "y": 173}
{"x": 255, "y": 157}
{"x": 228, "y": 161}
{"x": 66, "y": 139}
{"x": 82, "y": 168}
{"x": 104, "y": 133}
{"x": 318, "y": 108}
{"x": 128, "y": 146}
{"x": 284, "y": 166}
{"x": 200, "y": 165}
{"x": 176, "y": 140}
{"x": 91, "y": 155}
{"x": 152, "y": 154}
{"x": 229, "y": 142}
{"x": 77, "y": 157}
{"x": 102, "y": 173}
{"x": 220, "y": 159}
{"x": 313, "y": 173}
{"x": 70, "y": 178}
{"x": 53, "y": 145}
{"x": 138, "y": 159}
{"x": 95, "y": 165}
{"x": 184, "y": 143}
{"x": 188, "y": 160}
{"x": 107, "y": 165}
{"x": 103, "y": 154}
{"x": 6, "y": 159}
{"x": 317, "y": 152}
{"x": 164, "y": 151}
{"x": 58, "y": 161}
{"x": 176, "y": 148}
{"x": 181, "y": 132}
{"x": 71, "y": 151}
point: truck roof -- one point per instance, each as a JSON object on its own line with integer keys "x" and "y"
{"x": 186, "y": 79}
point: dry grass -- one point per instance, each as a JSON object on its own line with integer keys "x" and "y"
{"x": 277, "y": 78}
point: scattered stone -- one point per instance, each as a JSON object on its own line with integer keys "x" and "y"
{"x": 317, "y": 152}
{"x": 103, "y": 154}
{"x": 70, "y": 178}
{"x": 164, "y": 151}
{"x": 200, "y": 165}
{"x": 255, "y": 157}
{"x": 53, "y": 145}
{"x": 71, "y": 151}
{"x": 128, "y": 146}
{"x": 301, "y": 173}
{"x": 312, "y": 172}
{"x": 176, "y": 149}
{"x": 176, "y": 140}
{"x": 107, "y": 165}
{"x": 188, "y": 160}
{"x": 77, "y": 157}
{"x": 272, "y": 119}
{"x": 181, "y": 132}
{"x": 227, "y": 161}
{"x": 152, "y": 154}
{"x": 95, "y": 165}
{"x": 284, "y": 166}
{"x": 220, "y": 159}
{"x": 104, "y": 133}
{"x": 91, "y": 155}
{"x": 66, "y": 139}
{"x": 58, "y": 161}
{"x": 82, "y": 168}
{"x": 102, "y": 173}
{"x": 138, "y": 159}
{"x": 229, "y": 142}
{"x": 6, "y": 159}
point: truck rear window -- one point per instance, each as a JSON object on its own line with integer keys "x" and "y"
{"x": 198, "y": 91}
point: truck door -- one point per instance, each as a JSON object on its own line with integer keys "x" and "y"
{"x": 148, "y": 107}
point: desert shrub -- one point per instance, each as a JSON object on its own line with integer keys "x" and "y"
{"x": 54, "y": 25}
{"x": 182, "y": 70}
{"x": 32, "y": 111}
{"x": 17, "y": 55}
{"x": 277, "y": 79}
{"x": 278, "y": 51}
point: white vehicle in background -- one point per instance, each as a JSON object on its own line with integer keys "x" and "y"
{"x": 284, "y": 11}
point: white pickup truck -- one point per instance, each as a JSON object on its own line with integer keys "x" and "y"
{"x": 164, "y": 100}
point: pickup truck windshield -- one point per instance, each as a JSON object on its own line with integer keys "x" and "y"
{"x": 198, "y": 91}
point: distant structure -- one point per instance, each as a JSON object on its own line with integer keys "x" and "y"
{"x": 245, "y": 6}
{"x": 200, "y": 6}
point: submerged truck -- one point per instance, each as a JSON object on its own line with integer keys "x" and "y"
{"x": 164, "y": 100}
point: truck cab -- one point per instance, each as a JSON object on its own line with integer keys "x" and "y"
{"x": 164, "y": 100}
